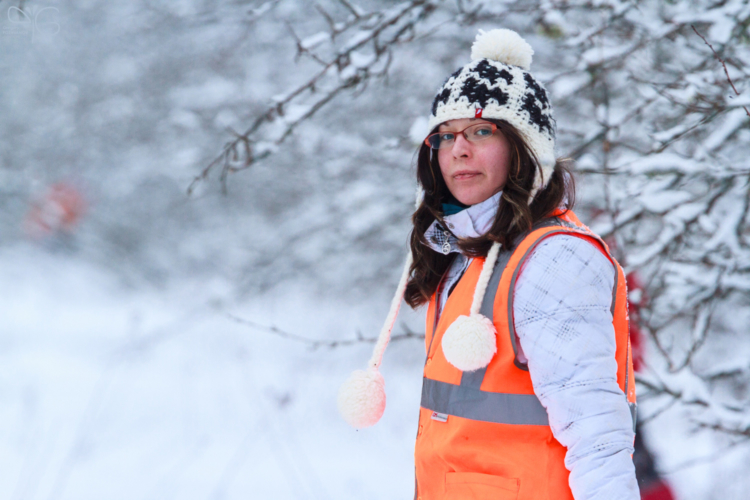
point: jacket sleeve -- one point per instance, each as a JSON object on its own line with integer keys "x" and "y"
{"x": 562, "y": 316}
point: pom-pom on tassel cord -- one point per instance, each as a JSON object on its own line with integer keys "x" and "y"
{"x": 361, "y": 399}
{"x": 469, "y": 343}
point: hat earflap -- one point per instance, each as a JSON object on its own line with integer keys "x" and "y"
{"x": 361, "y": 398}
{"x": 469, "y": 343}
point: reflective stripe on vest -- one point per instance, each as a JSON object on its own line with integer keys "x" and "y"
{"x": 467, "y": 400}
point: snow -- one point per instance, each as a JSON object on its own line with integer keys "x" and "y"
{"x": 660, "y": 202}
{"x": 314, "y": 40}
{"x": 263, "y": 8}
{"x": 112, "y": 393}
{"x": 599, "y": 55}
{"x": 669, "y": 134}
{"x": 730, "y": 123}
{"x": 124, "y": 375}
{"x": 664, "y": 162}
{"x": 119, "y": 69}
{"x": 184, "y": 118}
{"x": 569, "y": 84}
{"x": 362, "y": 60}
{"x": 358, "y": 38}
{"x": 348, "y": 72}
{"x": 734, "y": 101}
{"x": 293, "y": 112}
{"x": 419, "y": 130}
{"x": 213, "y": 92}
{"x": 731, "y": 218}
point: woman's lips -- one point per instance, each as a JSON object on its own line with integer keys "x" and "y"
{"x": 463, "y": 175}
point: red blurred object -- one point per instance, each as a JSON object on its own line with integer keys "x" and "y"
{"x": 657, "y": 491}
{"x": 636, "y": 299}
{"x": 59, "y": 210}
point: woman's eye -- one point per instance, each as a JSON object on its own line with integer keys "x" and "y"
{"x": 446, "y": 137}
{"x": 483, "y": 132}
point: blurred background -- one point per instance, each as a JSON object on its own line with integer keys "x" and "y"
{"x": 204, "y": 210}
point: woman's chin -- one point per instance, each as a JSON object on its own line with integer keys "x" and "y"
{"x": 471, "y": 197}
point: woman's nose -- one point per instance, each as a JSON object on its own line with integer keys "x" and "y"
{"x": 461, "y": 147}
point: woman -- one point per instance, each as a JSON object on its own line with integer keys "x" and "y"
{"x": 528, "y": 390}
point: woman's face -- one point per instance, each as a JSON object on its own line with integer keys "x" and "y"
{"x": 473, "y": 171}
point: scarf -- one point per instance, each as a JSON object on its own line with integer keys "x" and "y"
{"x": 470, "y": 222}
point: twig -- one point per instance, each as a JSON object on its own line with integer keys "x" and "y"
{"x": 726, "y": 72}
{"x": 351, "y": 9}
{"x": 663, "y": 389}
{"x": 314, "y": 344}
{"x": 397, "y": 23}
{"x": 742, "y": 432}
{"x": 657, "y": 413}
{"x": 706, "y": 458}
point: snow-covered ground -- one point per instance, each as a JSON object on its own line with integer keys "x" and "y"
{"x": 108, "y": 392}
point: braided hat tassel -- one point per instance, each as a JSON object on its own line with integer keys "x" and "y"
{"x": 469, "y": 343}
{"x": 361, "y": 399}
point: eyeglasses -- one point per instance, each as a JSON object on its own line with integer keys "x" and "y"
{"x": 474, "y": 133}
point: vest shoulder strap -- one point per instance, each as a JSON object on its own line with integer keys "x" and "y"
{"x": 504, "y": 257}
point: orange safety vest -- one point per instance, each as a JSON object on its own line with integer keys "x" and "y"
{"x": 485, "y": 434}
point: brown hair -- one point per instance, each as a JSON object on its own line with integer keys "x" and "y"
{"x": 514, "y": 214}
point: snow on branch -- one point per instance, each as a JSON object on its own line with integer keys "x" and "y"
{"x": 365, "y": 42}
{"x": 723, "y": 64}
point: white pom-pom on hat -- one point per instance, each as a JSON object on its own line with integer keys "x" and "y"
{"x": 470, "y": 341}
{"x": 502, "y": 45}
{"x": 361, "y": 399}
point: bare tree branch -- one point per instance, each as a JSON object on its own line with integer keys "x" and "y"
{"x": 315, "y": 344}
{"x": 723, "y": 64}
{"x": 342, "y": 71}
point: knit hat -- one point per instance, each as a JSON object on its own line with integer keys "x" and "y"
{"x": 497, "y": 84}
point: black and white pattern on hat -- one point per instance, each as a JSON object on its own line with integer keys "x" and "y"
{"x": 484, "y": 82}
{"x": 492, "y": 74}
{"x": 536, "y": 103}
{"x": 445, "y": 93}
{"x": 478, "y": 92}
